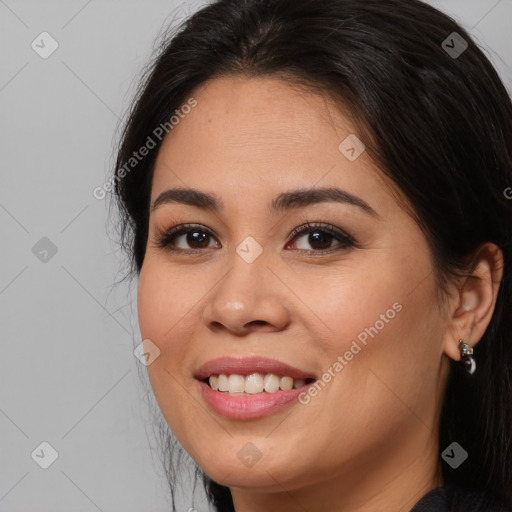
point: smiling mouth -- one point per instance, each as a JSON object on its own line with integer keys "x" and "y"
{"x": 254, "y": 383}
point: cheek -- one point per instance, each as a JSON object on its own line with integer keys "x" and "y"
{"x": 165, "y": 312}
{"x": 359, "y": 305}
{"x": 153, "y": 299}
{"x": 385, "y": 349}
{"x": 163, "y": 302}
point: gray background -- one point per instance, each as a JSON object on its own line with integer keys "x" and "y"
{"x": 68, "y": 373}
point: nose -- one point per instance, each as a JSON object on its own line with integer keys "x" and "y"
{"x": 249, "y": 297}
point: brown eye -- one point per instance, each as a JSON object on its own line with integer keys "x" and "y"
{"x": 197, "y": 239}
{"x": 320, "y": 240}
{"x": 191, "y": 238}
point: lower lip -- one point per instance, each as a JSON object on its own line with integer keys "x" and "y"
{"x": 247, "y": 407}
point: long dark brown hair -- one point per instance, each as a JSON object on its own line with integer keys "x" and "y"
{"x": 438, "y": 124}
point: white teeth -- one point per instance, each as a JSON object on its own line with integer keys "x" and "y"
{"x": 298, "y": 383}
{"x": 271, "y": 383}
{"x": 236, "y": 383}
{"x": 254, "y": 383}
{"x": 222, "y": 382}
{"x": 286, "y": 383}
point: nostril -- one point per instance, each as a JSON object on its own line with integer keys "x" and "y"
{"x": 258, "y": 322}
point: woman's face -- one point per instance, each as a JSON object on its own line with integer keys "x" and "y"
{"x": 360, "y": 318}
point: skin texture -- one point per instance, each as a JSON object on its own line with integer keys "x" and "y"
{"x": 368, "y": 440}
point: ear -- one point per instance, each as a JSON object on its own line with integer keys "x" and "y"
{"x": 473, "y": 304}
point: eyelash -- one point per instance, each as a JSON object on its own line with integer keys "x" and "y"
{"x": 166, "y": 238}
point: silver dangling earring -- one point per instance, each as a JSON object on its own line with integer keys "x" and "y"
{"x": 466, "y": 351}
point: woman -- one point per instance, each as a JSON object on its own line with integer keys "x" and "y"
{"x": 316, "y": 200}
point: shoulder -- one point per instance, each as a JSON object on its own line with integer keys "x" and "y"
{"x": 453, "y": 498}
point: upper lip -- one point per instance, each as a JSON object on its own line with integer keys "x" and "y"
{"x": 247, "y": 365}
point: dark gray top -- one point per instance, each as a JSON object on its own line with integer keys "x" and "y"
{"x": 452, "y": 498}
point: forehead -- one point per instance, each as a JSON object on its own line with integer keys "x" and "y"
{"x": 255, "y": 114}
{"x": 254, "y": 137}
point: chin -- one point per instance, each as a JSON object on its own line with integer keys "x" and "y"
{"x": 261, "y": 476}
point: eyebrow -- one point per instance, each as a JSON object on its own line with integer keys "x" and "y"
{"x": 285, "y": 201}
